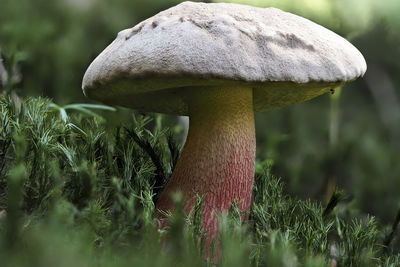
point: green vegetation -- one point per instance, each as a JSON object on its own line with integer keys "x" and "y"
{"x": 47, "y": 46}
{"x": 77, "y": 193}
{"x": 78, "y": 181}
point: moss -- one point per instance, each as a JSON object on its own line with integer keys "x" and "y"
{"x": 77, "y": 193}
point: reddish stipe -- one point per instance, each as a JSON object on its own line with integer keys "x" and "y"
{"x": 218, "y": 158}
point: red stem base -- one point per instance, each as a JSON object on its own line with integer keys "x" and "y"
{"x": 218, "y": 157}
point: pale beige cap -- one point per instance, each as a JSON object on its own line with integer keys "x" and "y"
{"x": 285, "y": 58}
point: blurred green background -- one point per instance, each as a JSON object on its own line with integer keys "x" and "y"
{"x": 350, "y": 139}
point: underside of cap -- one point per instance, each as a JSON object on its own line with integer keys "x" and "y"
{"x": 285, "y": 58}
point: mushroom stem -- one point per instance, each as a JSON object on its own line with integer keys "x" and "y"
{"x": 217, "y": 160}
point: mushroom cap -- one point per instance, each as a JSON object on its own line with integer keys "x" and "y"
{"x": 285, "y": 58}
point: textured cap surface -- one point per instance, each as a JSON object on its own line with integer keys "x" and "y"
{"x": 285, "y": 58}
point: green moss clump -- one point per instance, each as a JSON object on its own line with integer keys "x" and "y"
{"x": 75, "y": 193}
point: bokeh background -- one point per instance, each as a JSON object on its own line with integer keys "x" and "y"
{"x": 350, "y": 139}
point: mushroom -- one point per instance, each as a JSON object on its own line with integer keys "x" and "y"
{"x": 218, "y": 63}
